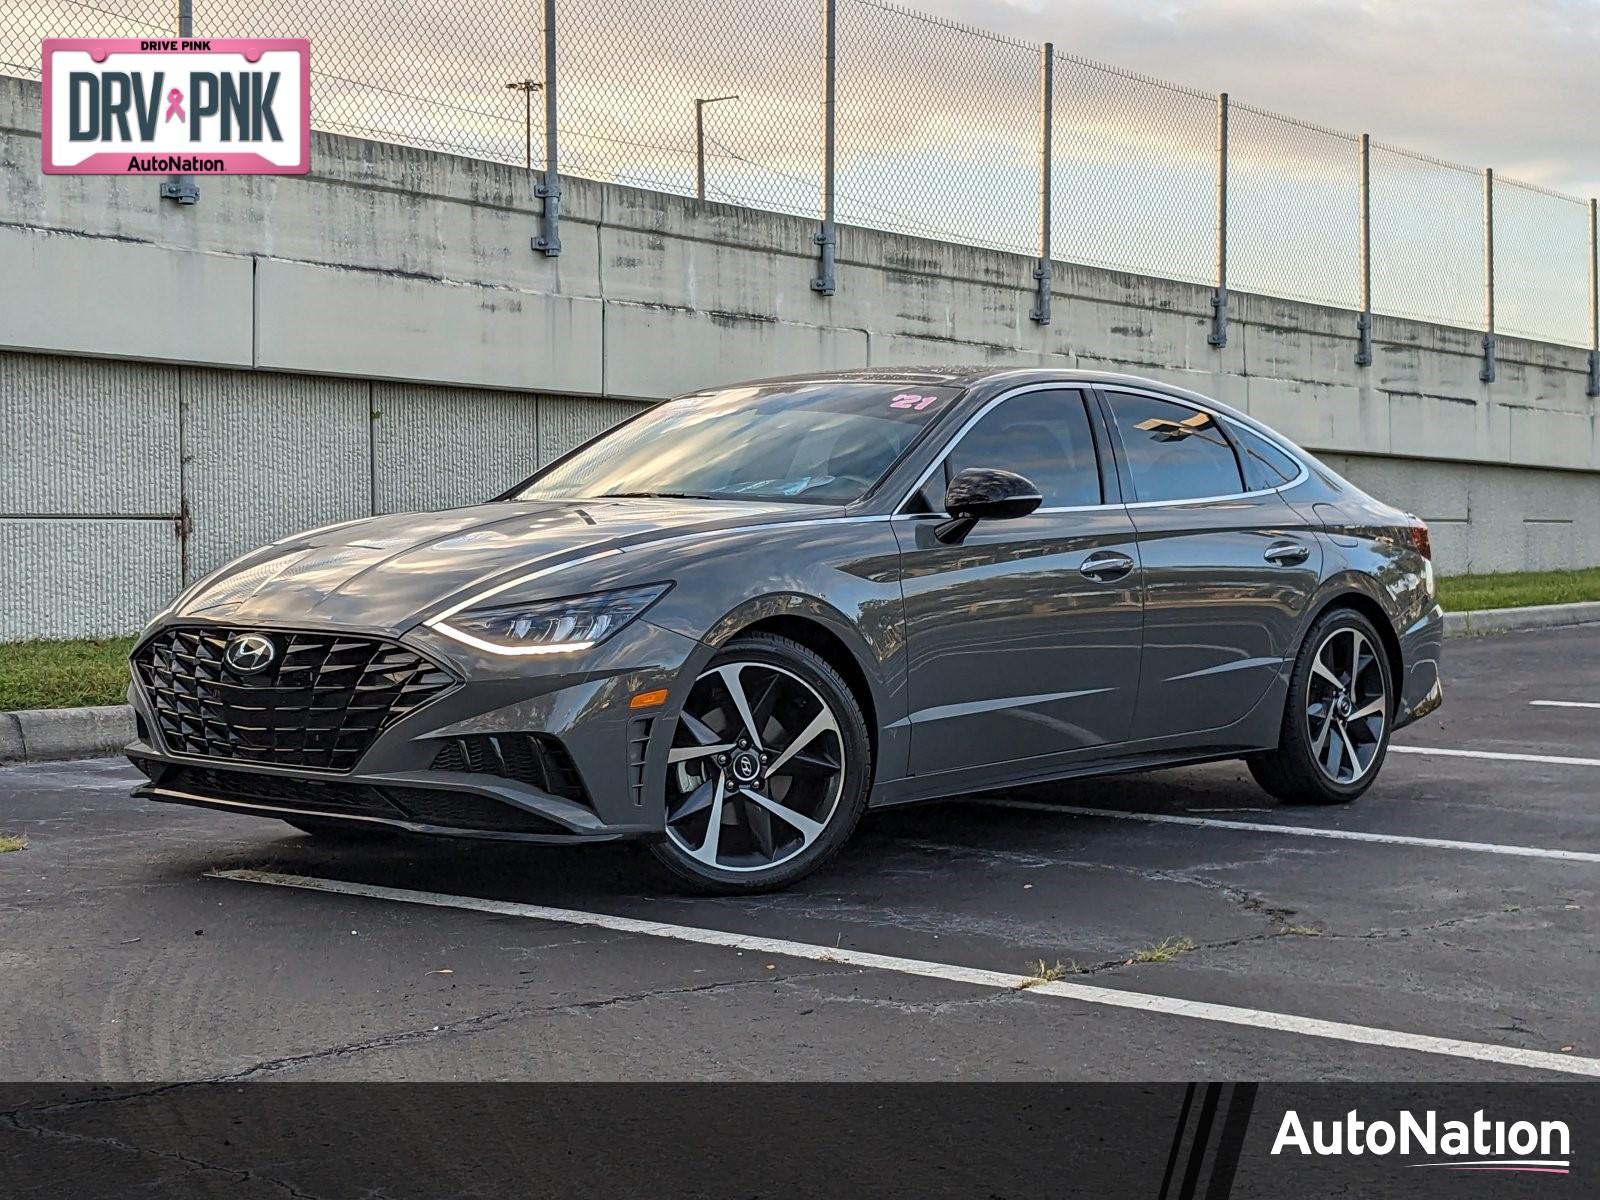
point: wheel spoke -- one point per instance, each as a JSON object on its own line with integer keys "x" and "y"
{"x": 761, "y": 707}
{"x": 1356, "y": 765}
{"x": 741, "y": 703}
{"x": 684, "y": 753}
{"x": 707, "y": 853}
{"x": 820, "y": 724}
{"x": 697, "y": 729}
{"x": 808, "y": 828}
{"x": 1335, "y": 757}
{"x": 1321, "y": 740}
{"x": 759, "y": 821}
{"x": 807, "y": 763}
{"x": 696, "y": 801}
{"x": 1318, "y": 667}
{"x": 1371, "y": 708}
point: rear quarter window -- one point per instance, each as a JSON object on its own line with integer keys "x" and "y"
{"x": 1265, "y": 466}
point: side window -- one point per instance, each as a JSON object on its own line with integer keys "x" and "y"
{"x": 1173, "y": 452}
{"x": 1265, "y": 466}
{"x": 1043, "y": 436}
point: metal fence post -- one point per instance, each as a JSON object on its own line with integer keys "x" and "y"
{"x": 1364, "y": 321}
{"x": 1047, "y": 92}
{"x": 827, "y": 237}
{"x": 1219, "y": 301}
{"x": 1594, "y": 298}
{"x": 549, "y": 239}
{"x": 1487, "y": 373}
{"x": 183, "y": 188}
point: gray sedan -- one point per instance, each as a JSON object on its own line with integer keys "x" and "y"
{"x": 735, "y": 622}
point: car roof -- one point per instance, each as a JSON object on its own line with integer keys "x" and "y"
{"x": 968, "y": 377}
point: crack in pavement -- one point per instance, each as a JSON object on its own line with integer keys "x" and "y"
{"x": 194, "y": 1165}
{"x": 14, "y": 1118}
{"x": 491, "y": 1020}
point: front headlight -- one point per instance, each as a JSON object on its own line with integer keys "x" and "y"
{"x": 548, "y": 626}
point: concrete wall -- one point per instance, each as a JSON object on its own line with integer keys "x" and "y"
{"x": 378, "y": 335}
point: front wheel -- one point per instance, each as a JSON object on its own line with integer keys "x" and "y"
{"x": 768, "y": 772}
{"x": 1336, "y": 722}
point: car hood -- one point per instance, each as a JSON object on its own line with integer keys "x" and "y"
{"x": 387, "y": 573}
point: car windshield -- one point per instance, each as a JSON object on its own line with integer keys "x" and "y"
{"x": 816, "y": 443}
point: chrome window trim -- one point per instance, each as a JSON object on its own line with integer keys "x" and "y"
{"x": 1081, "y": 387}
{"x": 955, "y": 440}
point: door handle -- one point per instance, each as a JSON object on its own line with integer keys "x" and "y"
{"x": 1103, "y": 568}
{"x": 1286, "y": 554}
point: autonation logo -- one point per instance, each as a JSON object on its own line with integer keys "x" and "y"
{"x": 1476, "y": 1145}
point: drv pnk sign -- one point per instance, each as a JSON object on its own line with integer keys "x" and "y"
{"x": 190, "y": 106}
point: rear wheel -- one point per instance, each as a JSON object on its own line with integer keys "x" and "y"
{"x": 1337, "y": 720}
{"x": 768, "y": 772}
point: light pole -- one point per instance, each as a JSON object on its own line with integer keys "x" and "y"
{"x": 527, "y": 87}
{"x": 700, "y": 142}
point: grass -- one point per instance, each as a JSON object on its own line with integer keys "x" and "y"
{"x": 1165, "y": 950}
{"x": 1039, "y": 972}
{"x": 9, "y": 844}
{"x": 1518, "y": 589}
{"x": 63, "y": 674}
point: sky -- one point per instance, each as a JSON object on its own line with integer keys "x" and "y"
{"x": 1510, "y": 84}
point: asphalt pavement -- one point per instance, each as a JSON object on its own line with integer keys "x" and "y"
{"x": 1444, "y": 927}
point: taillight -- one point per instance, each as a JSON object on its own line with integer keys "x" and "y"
{"x": 1421, "y": 540}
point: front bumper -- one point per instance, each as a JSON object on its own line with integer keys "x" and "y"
{"x": 528, "y": 749}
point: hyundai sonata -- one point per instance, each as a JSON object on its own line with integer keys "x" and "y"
{"x": 733, "y": 623}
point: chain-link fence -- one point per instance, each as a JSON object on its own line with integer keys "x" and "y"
{"x": 866, "y": 113}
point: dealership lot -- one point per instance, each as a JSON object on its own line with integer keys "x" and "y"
{"x": 1446, "y": 923}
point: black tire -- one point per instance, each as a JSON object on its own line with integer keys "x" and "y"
{"x": 854, "y": 760}
{"x": 1297, "y": 771}
{"x": 342, "y": 831}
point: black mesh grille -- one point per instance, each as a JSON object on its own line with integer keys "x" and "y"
{"x": 320, "y": 704}
{"x": 535, "y": 759}
{"x": 428, "y": 806}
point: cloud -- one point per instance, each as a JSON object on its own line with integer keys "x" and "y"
{"x": 1494, "y": 83}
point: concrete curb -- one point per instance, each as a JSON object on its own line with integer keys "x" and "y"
{"x": 1509, "y": 620}
{"x": 52, "y": 734}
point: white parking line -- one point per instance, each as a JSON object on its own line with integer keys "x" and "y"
{"x": 1565, "y": 703}
{"x": 1555, "y": 759}
{"x": 1342, "y": 835}
{"x": 1339, "y": 1031}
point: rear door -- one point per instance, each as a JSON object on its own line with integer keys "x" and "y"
{"x": 1024, "y": 638}
{"x": 1229, "y": 566}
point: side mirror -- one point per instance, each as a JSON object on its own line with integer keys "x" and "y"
{"x": 985, "y": 494}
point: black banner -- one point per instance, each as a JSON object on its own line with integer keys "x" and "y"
{"x": 1030, "y": 1142}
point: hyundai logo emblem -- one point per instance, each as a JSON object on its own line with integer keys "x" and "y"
{"x": 248, "y": 653}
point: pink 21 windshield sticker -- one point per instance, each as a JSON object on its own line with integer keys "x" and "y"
{"x": 171, "y": 106}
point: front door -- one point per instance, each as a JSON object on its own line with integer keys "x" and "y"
{"x": 1024, "y": 638}
{"x": 1229, "y": 566}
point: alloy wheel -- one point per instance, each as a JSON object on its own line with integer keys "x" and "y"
{"x": 1347, "y": 705}
{"x": 756, "y": 768}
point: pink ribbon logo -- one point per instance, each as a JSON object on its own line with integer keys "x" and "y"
{"x": 175, "y": 105}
